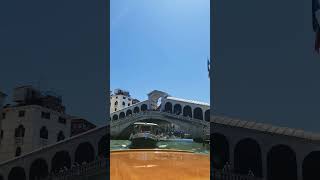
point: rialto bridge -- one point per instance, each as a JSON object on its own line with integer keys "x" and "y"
{"x": 269, "y": 152}
{"x": 79, "y": 157}
{"x": 191, "y": 116}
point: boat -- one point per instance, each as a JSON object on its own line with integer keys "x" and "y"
{"x": 144, "y": 135}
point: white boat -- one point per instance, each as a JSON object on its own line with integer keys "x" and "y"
{"x": 144, "y": 135}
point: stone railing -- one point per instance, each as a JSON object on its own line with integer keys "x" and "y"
{"x": 99, "y": 166}
{"x": 218, "y": 174}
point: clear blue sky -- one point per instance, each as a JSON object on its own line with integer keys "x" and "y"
{"x": 161, "y": 44}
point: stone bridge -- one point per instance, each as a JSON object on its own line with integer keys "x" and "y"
{"x": 270, "y": 152}
{"x": 195, "y": 127}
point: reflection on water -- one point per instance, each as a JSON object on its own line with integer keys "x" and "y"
{"x": 188, "y": 145}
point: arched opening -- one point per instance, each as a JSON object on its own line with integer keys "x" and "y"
{"x": 220, "y": 150}
{"x": 144, "y": 107}
{"x": 247, "y": 157}
{"x": 17, "y": 173}
{"x": 103, "y": 147}
{"x": 38, "y": 170}
{"x": 115, "y": 117}
{"x": 60, "y": 160}
{"x": 177, "y": 109}
{"x": 18, "y": 151}
{"x": 207, "y": 115}
{"x": 197, "y": 113}
{"x": 168, "y": 107}
{"x": 187, "y": 111}
{"x": 60, "y": 136}
{"x": 129, "y": 112}
{"x": 44, "y": 133}
{"x": 281, "y": 163}
{"x": 122, "y": 115}
{"x": 136, "y": 109}
{"x": 310, "y": 166}
{"x": 84, "y": 153}
{"x": 19, "y": 131}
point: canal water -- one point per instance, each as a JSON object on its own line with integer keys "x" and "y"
{"x": 188, "y": 145}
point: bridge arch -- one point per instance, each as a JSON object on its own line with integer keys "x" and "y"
{"x": 187, "y": 111}
{"x": 38, "y": 169}
{"x": 197, "y": 113}
{"x": 281, "y": 163}
{"x": 17, "y": 173}
{"x": 168, "y": 107}
{"x": 220, "y": 150}
{"x": 84, "y": 153}
{"x": 115, "y": 117}
{"x": 60, "y": 160}
{"x": 136, "y": 109}
{"x": 207, "y": 115}
{"x": 129, "y": 112}
{"x": 310, "y": 166}
{"x": 144, "y": 107}
{"x": 247, "y": 156}
{"x": 177, "y": 109}
{"x": 122, "y": 115}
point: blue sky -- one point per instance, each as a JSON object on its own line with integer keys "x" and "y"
{"x": 160, "y": 44}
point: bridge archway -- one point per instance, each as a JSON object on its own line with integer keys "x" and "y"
{"x": 220, "y": 150}
{"x": 17, "y": 173}
{"x": 129, "y": 112}
{"x": 144, "y": 107}
{"x": 115, "y": 117}
{"x": 310, "y": 166}
{"x": 281, "y": 163}
{"x": 38, "y": 170}
{"x": 84, "y": 153}
{"x": 60, "y": 160}
{"x": 247, "y": 156}
{"x": 136, "y": 109}
{"x": 103, "y": 146}
{"x": 197, "y": 113}
{"x": 207, "y": 115}
{"x": 122, "y": 115}
{"x": 177, "y": 109}
{"x": 187, "y": 111}
{"x": 168, "y": 107}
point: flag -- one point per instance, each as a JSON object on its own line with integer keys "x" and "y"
{"x": 315, "y": 24}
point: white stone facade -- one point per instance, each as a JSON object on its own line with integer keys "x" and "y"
{"x": 32, "y": 120}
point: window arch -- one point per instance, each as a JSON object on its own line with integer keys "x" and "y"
{"x": 122, "y": 115}
{"x": 18, "y": 151}
{"x": 44, "y": 133}
{"x": 177, "y": 109}
{"x": 115, "y": 117}
{"x": 60, "y": 136}
{"x": 19, "y": 131}
{"x": 116, "y": 103}
{"x": 136, "y": 109}
{"x": 197, "y": 113}
{"x": 187, "y": 111}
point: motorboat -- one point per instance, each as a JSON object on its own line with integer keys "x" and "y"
{"x": 144, "y": 135}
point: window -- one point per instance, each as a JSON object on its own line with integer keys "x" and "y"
{"x": 18, "y": 151}
{"x": 3, "y": 115}
{"x": 128, "y": 104}
{"x": 116, "y": 103}
{"x": 116, "y": 97}
{"x": 60, "y": 136}
{"x": 115, "y": 109}
{"x": 129, "y": 99}
{"x": 44, "y": 133}
{"x": 62, "y": 120}
{"x": 1, "y": 135}
{"x": 124, "y": 97}
{"x": 45, "y": 115}
{"x": 22, "y": 113}
{"x": 123, "y": 103}
{"x": 19, "y": 131}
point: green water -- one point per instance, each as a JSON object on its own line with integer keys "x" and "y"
{"x": 179, "y": 145}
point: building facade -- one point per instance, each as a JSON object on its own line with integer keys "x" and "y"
{"x": 34, "y": 121}
{"x": 121, "y": 99}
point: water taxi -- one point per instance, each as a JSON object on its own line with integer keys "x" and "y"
{"x": 144, "y": 135}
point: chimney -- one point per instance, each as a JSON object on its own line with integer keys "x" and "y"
{"x": 2, "y": 98}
